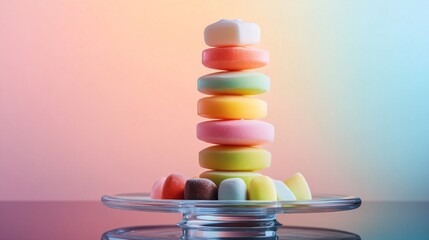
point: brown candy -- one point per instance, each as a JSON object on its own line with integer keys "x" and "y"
{"x": 200, "y": 189}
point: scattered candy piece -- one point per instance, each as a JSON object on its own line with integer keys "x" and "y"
{"x": 236, "y": 132}
{"x": 234, "y": 83}
{"x": 200, "y": 189}
{"x": 283, "y": 192}
{"x": 218, "y": 176}
{"x": 262, "y": 188}
{"x": 174, "y": 187}
{"x": 232, "y": 189}
{"x": 232, "y": 107}
{"x": 157, "y": 186}
{"x": 234, "y": 158}
{"x": 235, "y": 58}
{"x": 231, "y": 33}
{"x": 298, "y": 185}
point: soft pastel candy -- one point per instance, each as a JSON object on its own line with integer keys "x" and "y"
{"x": 298, "y": 185}
{"x": 231, "y": 33}
{"x": 174, "y": 187}
{"x": 218, "y": 176}
{"x": 235, "y": 58}
{"x": 200, "y": 189}
{"x": 232, "y": 189}
{"x": 234, "y": 158}
{"x": 283, "y": 192}
{"x": 262, "y": 188}
{"x": 157, "y": 186}
{"x": 236, "y": 132}
{"x": 232, "y": 107}
{"x": 234, "y": 83}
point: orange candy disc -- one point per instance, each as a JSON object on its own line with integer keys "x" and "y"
{"x": 235, "y": 58}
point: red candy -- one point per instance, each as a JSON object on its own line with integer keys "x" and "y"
{"x": 174, "y": 187}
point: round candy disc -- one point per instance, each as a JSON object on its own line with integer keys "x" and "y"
{"x": 236, "y": 132}
{"x": 234, "y": 158}
{"x": 234, "y": 83}
{"x": 232, "y": 107}
{"x": 235, "y": 58}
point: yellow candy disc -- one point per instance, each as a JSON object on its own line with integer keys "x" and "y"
{"x": 262, "y": 188}
{"x": 234, "y": 158}
{"x": 218, "y": 176}
{"x": 232, "y": 107}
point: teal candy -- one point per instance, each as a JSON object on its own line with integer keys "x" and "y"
{"x": 234, "y": 83}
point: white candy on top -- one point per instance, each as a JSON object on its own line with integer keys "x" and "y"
{"x": 232, "y": 33}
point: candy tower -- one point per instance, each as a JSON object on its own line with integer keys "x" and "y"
{"x": 236, "y": 128}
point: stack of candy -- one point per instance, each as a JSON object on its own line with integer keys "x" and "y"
{"x": 236, "y": 130}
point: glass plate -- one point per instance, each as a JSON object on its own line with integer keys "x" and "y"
{"x": 203, "y": 218}
{"x": 143, "y": 202}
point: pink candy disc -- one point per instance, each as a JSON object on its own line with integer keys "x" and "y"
{"x": 236, "y": 132}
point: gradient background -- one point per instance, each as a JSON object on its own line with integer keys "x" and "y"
{"x": 100, "y": 97}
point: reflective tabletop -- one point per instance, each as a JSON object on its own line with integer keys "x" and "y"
{"x": 92, "y": 220}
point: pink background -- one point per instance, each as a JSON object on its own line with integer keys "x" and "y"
{"x": 100, "y": 97}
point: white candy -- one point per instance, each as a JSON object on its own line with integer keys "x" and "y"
{"x": 232, "y": 189}
{"x": 283, "y": 192}
{"x": 232, "y": 33}
{"x": 298, "y": 185}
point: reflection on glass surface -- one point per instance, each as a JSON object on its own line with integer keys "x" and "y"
{"x": 175, "y": 232}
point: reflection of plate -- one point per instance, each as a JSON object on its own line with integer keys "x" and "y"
{"x": 174, "y": 232}
{"x": 142, "y": 202}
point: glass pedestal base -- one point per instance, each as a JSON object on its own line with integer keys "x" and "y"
{"x": 215, "y": 225}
